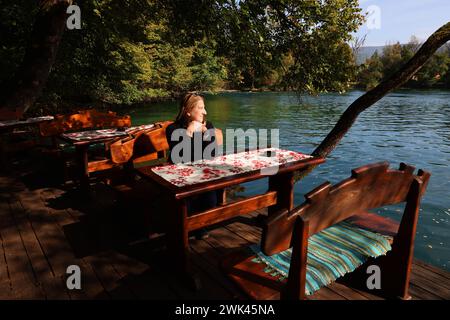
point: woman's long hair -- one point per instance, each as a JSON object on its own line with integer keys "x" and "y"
{"x": 186, "y": 105}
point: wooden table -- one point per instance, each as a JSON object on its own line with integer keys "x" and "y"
{"x": 179, "y": 183}
{"x": 81, "y": 140}
{"x": 8, "y": 126}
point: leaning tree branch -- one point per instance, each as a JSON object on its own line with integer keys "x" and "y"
{"x": 24, "y": 88}
{"x": 433, "y": 43}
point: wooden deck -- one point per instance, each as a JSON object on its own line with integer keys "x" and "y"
{"x": 44, "y": 229}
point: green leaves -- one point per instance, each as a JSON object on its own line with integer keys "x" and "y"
{"x": 434, "y": 73}
{"x": 130, "y": 51}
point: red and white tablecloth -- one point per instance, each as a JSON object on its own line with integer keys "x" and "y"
{"x": 103, "y": 133}
{"x": 8, "y": 123}
{"x": 184, "y": 174}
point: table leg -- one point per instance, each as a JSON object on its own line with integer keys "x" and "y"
{"x": 221, "y": 197}
{"x": 178, "y": 244}
{"x": 284, "y": 185}
{"x": 82, "y": 160}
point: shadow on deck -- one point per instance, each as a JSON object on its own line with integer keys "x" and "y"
{"x": 45, "y": 228}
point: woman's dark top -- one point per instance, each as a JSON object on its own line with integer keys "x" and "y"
{"x": 205, "y": 140}
{"x": 205, "y": 200}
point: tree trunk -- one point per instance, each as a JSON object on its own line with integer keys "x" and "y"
{"x": 31, "y": 77}
{"x": 434, "y": 42}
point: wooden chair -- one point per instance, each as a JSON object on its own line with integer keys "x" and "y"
{"x": 371, "y": 186}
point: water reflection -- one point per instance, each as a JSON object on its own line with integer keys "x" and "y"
{"x": 405, "y": 126}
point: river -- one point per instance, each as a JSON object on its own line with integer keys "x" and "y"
{"x": 405, "y": 126}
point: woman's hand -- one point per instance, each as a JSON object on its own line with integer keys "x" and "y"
{"x": 195, "y": 126}
{"x": 204, "y": 128}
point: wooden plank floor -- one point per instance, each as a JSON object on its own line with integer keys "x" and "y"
{"x": 44, "y": 229}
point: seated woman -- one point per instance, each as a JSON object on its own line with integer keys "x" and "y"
{"x": 191, "y": 119}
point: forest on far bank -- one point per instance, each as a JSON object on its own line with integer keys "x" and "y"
{"x": 135, "y": 51}
{"x": 434, "y": 74}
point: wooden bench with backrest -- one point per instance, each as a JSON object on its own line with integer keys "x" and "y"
{"x": 331, "y": 235}
{"x": 82, "y": 120}
{"x": 141, "y": 146}
{"x": 86, "y": 119}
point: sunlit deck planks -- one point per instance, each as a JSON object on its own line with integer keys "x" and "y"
{"x": 44, "y": 229}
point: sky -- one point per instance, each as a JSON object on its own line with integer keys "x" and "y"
{"x": 398, "y": 20}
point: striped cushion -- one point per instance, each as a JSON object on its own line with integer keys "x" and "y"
{"x": 332, "y": 253}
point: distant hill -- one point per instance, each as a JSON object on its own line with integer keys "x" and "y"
{"x": 367, "y": 52}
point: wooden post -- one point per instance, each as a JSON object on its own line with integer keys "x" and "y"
{"x": 396, "y": 268}
{"x": 178, "y": 243}
{"x": 83, "y": 169}
{"x": 283, "y": 184}
{"x": 221, "y": 197}
{"x": 295, "y": 288}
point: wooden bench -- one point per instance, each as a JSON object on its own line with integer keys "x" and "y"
{"x": 369, "y": 187}
{"x": 142, "y": 146}
{"x": 86, "y": 119}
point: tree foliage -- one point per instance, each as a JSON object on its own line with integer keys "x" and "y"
{"x": 136, "y": 50}
{"x": 434, "y": 73}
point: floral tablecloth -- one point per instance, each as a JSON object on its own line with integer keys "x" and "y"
{"x": 184, "y": 174}
{"x": 8, "y": 123}
{"x": 89, "y": 135}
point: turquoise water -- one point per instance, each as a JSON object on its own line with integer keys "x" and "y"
{"x": 405, "y": 126}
